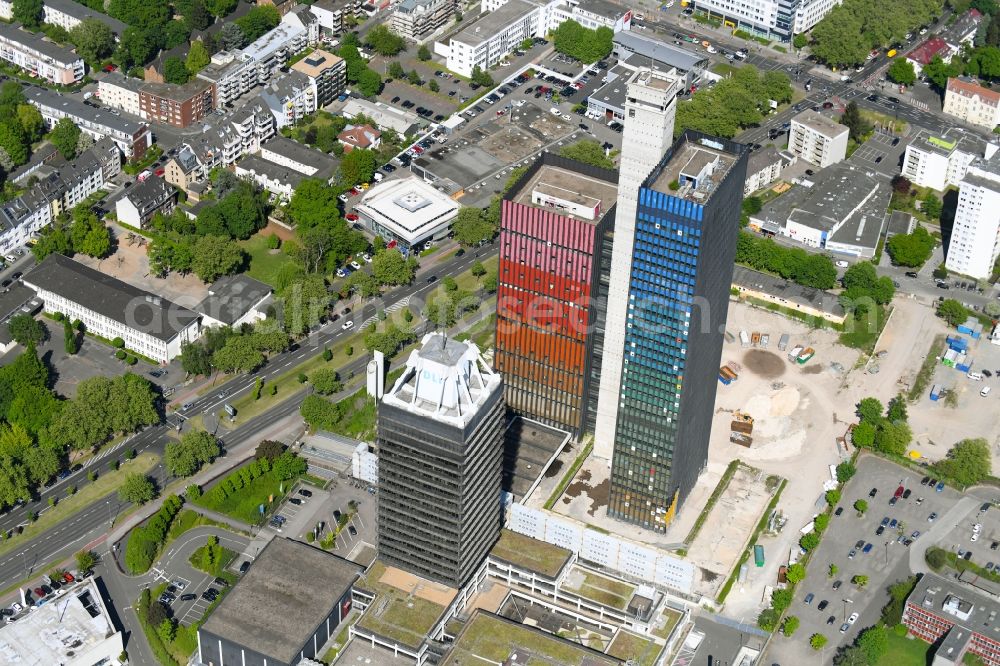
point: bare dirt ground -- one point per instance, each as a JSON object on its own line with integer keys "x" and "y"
{"x": 130, "y": 264}
{"x": 764, "y": 364}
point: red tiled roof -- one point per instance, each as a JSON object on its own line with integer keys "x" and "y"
{"x": 923, "y": 54}
{"x": 360, "y": 136}
{"x": 971, "y": 88}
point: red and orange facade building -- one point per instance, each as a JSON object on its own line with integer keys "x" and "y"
{"x": 556, "y": 227}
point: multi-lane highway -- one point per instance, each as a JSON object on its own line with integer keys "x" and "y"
{"x": 91, "y": 523}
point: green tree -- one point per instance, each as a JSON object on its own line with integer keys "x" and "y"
{"x": 832, "y": 571}
{"x": 358, "y": 166}
{"x": 857, "y": 125}
{"x": 936, "y": 558}
{"x": 789, "y": 626}
{"x": 395, "y": 70}
{"x": 31, "y": 122}
{"x": 846, "y": 471}
{"x": 197, "y": 57}
{"x": 952, "y": 311}
{"x": 578, "y": 42}
{"x": 93, "y": 39}
{"x": 214, "y": 256}
{"x": 470, "y": 227}
{"x": 28, "y": 12}
{"x": 817, "y": 641}
{"x": 326, "y": 381}
{"x": 781, "y": 600}
{"x": 896, "y": 411}
{"x": 832, "y": 497}
{"x": 870, "y": 410}
{"x": 14, "y": 142}
{"x": 433, "y": 85}
{"x": 238, "y": 355}
{"x": 414, "y": 77}
{"x": 258, "y": 21}
{"x": 800, "y": 41}
{"x": 901, "y": 71}
{"x": 860, "y": 580}
{"x": 389, "y": 267}
{"x": 384, "y": 41}
{"x": 768, "y": 619}
{"x": 863, "y": 435}
{"x": 809, "y": 541}
{"x": 967, "y": 463}
{"x": 64, "y": 137}
{"x": 368, "y": 82}
{"x": 137, "y": 488}
{"x": 861, "y": 506}
{"x": 424, "y": 53}
{"x": 481, "y": 78}
{"x": 937, "y": 71}
{"x": 796, "y": 573}
{"x": 914, "y": 249}
{"x": 588, "y": 152}
{"x": 26, "y": 330}
{"x": 185, "y": 457}
{"x": 86, "y": 560}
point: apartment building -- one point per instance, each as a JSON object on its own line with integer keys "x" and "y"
{"x": 327, "y": 75}
{"x": 149, "y": 324}
{"x": 763, "y": 168}
{"x": 290, "y": 98}
{"x": 927, "y": 50}
{"x": 773, "y": 19}
{"x": 504, "y": 24}
{"x": 817, "y": 139}
{"x": 132, "y": 138}
{"x": 145, "y": 199}
{"x": 66, "y": 14}
{"x": 39, "y": 57}
{"x": 117, "y": 91}
{"x": 237, "y": 73}
{"x": 939, "y": 162}
{"x": 417, "y": 20}
{"x": 967, "y": 100}
{"x": 975, "y": 234}
{"x": 176, "y": 105}
{"x": 955, "y": 617}
{"x": 298, "y": 157}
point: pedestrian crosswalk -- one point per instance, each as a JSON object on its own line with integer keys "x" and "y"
{"x": 105, "y": 453}
{"x": 398, "y": 305}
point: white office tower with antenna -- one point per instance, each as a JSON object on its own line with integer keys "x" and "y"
{"x": 650, "y": 109}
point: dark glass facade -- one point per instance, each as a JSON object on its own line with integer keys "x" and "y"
{"x": 685, "y": 243}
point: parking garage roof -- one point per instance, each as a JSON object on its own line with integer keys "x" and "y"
{"x": 290, "y": 589}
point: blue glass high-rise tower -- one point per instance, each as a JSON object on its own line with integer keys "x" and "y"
{"x": 686, "y": 226}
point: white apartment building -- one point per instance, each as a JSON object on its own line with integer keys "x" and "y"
{"x": 504, "y": 24}
{"x": 967, "y": 100}
{"x": 298, "y": 157}
{"x": 941, "y": 161}
{"x": 237, "y": 73}
{"x": 120, "y": 92}
{"x": 763, "y": 168}
{"x": 975, "y": 236}
{"x": 417, "y": 20}
{"x": 290, "y": 98}
{"x": 39, "y": 57}
{"x": 774, "y": 19}
{"x": 66, "y": 14}
{"x": 817, "y": 139}
{"x": 149, "y": 324}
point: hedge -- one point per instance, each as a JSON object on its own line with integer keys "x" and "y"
{"x": 145, "y": 541}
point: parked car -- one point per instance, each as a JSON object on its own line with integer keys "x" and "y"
{"x": 822, "y": 605}
{"x": 809, "y": 598}
{"x": 244, "y": 567}
{"x": 188, "y": 597}
{"x": 305, "y": 493}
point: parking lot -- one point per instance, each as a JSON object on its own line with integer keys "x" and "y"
{"x": 857, "y": 546}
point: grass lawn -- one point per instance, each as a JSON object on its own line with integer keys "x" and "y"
{"x": 243, "y": 504}
{"x": 723, "y": 69}
{"x": 358, "y": 417}
{"x": 482, "y": 333}
{"x": 875, "y": 117}
{"x": 395, "y": 614}
{"x": 217, "y": 569}
{"x": 862, "y": 333}
{"x": 905, "y": 652}
{"x": 189, "y": 519}
{"x": 264, "y": 265}
{"x": 88, "y": 494}
{"x": 670, "y": 619}
{"x": 627, "y": 645}
{"x": 613, "y": 593}
{"x": 538, "y": 556}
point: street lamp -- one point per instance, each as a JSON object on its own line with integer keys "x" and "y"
{"x": 846, "y": 601}
{"x": 887, "y": 553}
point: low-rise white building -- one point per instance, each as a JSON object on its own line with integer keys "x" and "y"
{"x": 364, "y": 464}
{"x": 234, "y": 300}
{"x": 941, "y": 161}
{"x": 763, "y": 168}
{"x": 298, "y": 157}
{"x": 967, "y": 100}
{"x": 131, "y": 137}
{"x": 817, "y": 139}
{"x": 386, "y": 117}
{"x": 975, "y": 235}
{"x": 74, "y": 628}
{"x": 145, "y": 199}
{"x": 149, "y": 324}
{"x": 39, "y": 57}
{"x": 66, "y": 14}
{"x": 408, "y": 211}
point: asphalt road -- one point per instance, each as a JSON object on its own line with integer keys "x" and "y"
{"x": 93, "y": 522}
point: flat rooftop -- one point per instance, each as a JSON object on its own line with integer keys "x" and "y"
{"x": 488, "y": 638}
{"x": 407, "y": 607}
{"x": 408, "y": 206}
{"x": 493, "y": 23}
{"x": 820, "y": 123}
{"x": 600, "y": 588}
{"x": 523, "y": 551}
{"x": 958, "y": 603}
{"x": 697, "y": 168}
{"x": 571, "y": 186}
{"x": 75, "y": 622}
{"x": 289, "y": 590}
{"x": 529, "y": 448}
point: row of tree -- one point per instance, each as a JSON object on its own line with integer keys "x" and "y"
{"x": 144, "y": 541}
{"x": 233, "y": 350}
{"x": 795, "y": 264}
{"x": 734, "y": 103}
{"x": 581, "y": 43}
{"x": 364, "y": 79}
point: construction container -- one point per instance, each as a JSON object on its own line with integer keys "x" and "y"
{"x": 964, "y": 365}
{"x": 783, "y": 342}
{"x": 755, "y": 339}
{"x": 957, "y": 343}
{"x": 949, "y": 358}
{"x": 735, "y": 367}
{"x": 741, "y": 426}
{"x": 935, "y": 392}
{"x": 744, "y": 339}
{"x": 725, "y": 378}
{"x": 758, "y": 555}
{"x": 730, "y": 337}
{"x": 794, "y": 354}
{"x": 765, "y": 339}
{"x": 741, "y": 439}
{"x": 969, "y": 326}
{"x": 806, "y": 354}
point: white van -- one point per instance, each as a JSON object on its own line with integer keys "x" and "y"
{"x": 975, "y": 376}
{"x": 985, "y": 392}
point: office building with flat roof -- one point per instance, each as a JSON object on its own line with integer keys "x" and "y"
{"x": 817, "y": 139}
{"x": 682, "y": 267}
{"x": 649, "y": 130}
{"x": 773, "y": 19}
{"x": 407, "y": 211}
{"x": 283, "y": 610}
{"x": 957, "y": 618}
{"x": 556, "y": 226}
{"x": 417, "y": 20}
{"x": 440, "y": 443}
{"x": 975, "y": 234}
